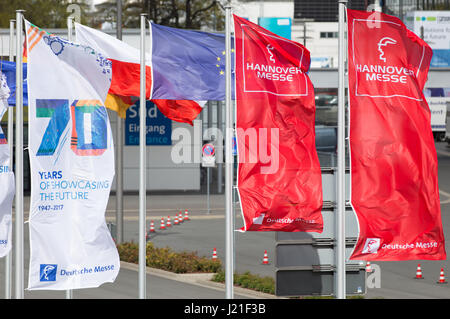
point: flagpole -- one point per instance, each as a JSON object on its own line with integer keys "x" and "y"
{"x": 69, "y": 292}
{"x": 229, "y": 243}
{"x": 19, "y": 257}
{"x": 142, "y": 167}
{"x": 340, "y": 289}
{"x": 119, "y": 148}
{"x": 69, "y": 28}
{"x": 8, "y": 259}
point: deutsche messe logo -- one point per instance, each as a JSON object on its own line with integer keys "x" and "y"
{"x": 48, "y": 272}
{"x": 371, "y": 246}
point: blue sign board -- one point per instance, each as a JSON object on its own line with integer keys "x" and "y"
{"x": 279, "y": 26}
{"x": 159, "y": 127}
{"x": 440, "y": 59}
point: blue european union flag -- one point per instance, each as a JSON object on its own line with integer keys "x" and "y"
{"x": 9, "y": 69}
{"x": 188, "y": 65}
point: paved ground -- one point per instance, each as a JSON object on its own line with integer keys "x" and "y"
{"x": 207, "y": 230}
{"x": 159, "y": 284}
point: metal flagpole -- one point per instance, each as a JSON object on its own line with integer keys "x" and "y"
{"x": 340, "y": 290}
{"x": 69, "y": 292}
{"x": 8, "y": 259}
{"x": 19, "y": 255}
{"x": 119, "y": 148}
{"x": 69, "y": 28}
{"x": 142, "y": 168}
{"x": 229, "y": 244}
{"x": 219, "y": 164}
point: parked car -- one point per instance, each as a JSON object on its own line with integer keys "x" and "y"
{"x": 326, "y": 138}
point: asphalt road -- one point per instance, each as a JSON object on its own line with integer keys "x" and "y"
{"x": 201, "y": 234}
{"x": 206, "y": 231}
{"x": 126, "y": 286}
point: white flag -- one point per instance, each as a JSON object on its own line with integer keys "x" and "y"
{"x": 72, "y": 164}
{"x": 7, "y": 187}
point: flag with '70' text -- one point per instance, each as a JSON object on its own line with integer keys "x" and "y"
{"x": 72, "y": 164}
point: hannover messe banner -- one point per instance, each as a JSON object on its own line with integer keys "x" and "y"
{"x": 279, "y": 177}
{"x": 394, "y": 181}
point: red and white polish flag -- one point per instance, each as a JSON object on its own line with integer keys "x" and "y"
{"x": 394, "y": 181}
{"x": 279, "y": 176}
{"x": 125, "y": 60}
{"x": 125, "y": 80}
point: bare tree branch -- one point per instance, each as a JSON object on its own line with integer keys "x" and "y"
{"x": 213, "y": 3}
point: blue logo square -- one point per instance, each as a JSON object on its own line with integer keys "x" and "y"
{"x": 48, "y": 272}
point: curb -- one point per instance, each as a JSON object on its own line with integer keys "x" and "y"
{"x": 202, "y": 280}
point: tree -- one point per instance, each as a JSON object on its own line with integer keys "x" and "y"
{"x": 43, "y": 13}
{"x": 190, "y": 14}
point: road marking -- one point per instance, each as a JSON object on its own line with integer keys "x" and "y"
{"x": 445, "y": 194}
{"x": 136, "y": 210}
{"x": 443, "y": 152}
{"x": 157, "y": 218}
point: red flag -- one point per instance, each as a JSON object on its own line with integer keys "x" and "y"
{"x": 279, "y": 177}
{"x": 184, "y": 111}
{"x": 394, "y": 184}
{"x": 125, "y": 79}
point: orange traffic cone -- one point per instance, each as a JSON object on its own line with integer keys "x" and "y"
{"x": 180, "y": 217}
{"x": 214, "y": 256}
{"x": 175, "y": 220}
{"x": 186, "y": 215}
{"x": 169, "y": 224}
{"x": 152, "y": 227}
{"x": 442, "y": 277}
{"x": 163, "y": 226}
{"x": 368, "y": 267}
{"x": 266, "y": 258}
{"x": 419, "y": 272}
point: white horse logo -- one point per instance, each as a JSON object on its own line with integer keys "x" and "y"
{"x": 371, "y": 246}
{"x": 382, "y": 43}
{"x": 47, "y": 270}
{"x": 258, "y": 220}
{"x": 269, "y": 49}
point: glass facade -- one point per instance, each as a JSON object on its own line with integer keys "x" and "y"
{"x": 324, "y": 10}
{"x": 327, "y": 10}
